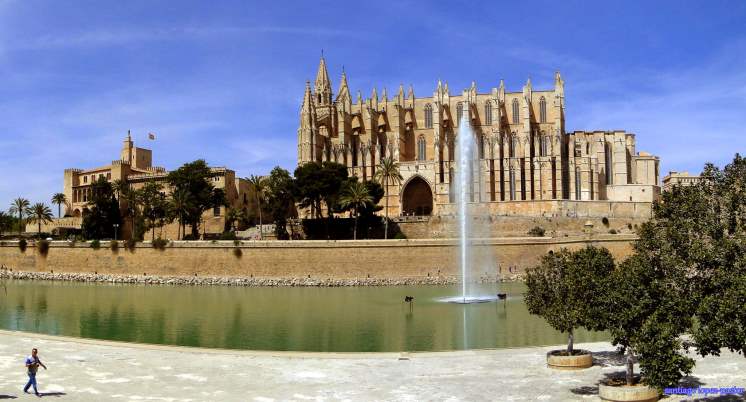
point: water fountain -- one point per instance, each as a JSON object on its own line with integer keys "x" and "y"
{"x": 468, "y": 188}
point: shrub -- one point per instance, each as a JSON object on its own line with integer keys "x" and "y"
{"x": 400, "y": 236}
{"x": 236, "y": 242}
{"x": 228, "y": 236}
{"x": 130, "y": 245}
{"x": 237, "y": 252}
{"x": 536, "y": 231}
{"x": 95, "y": 244}
{"x": 43, "y": 247}
{"x": 114, "y": 246}
{"x": 568, "y": 289}
{"x": 605, "y": 221}
{"x": 22, "y": 245}
{"x": 160, "y": 244}
{"x": 629, "y": 226}
{"x": 612, "y": 231}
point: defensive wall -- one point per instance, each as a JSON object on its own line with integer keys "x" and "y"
{"x": 372, "y": 259}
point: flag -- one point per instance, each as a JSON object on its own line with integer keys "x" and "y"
{"x": 151, "y": 136}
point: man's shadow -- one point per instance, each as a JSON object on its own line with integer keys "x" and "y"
{"x": 57, "y": 394}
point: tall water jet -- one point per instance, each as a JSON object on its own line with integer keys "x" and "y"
{"x": 468, "y": 193}
{"x": 464, "y": 183}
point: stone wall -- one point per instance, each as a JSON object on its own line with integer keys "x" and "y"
{"x": 300, "y": 259}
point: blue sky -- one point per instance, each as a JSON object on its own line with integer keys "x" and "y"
{"x": 223, "y": 80}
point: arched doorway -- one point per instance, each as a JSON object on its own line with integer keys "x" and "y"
{"x": 417, "y": 198}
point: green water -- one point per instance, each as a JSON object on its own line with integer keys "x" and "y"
{"x": 364, "y": 319}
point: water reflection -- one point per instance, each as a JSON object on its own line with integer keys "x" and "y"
{"x": 313, "y": 319}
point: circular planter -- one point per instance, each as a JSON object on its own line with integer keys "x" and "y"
{"x": 627, "y": 393}
{"x": 581, "y": 359}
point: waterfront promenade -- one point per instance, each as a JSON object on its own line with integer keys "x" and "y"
{"x": 90, "y": 370}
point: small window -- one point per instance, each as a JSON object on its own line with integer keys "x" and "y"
{"x": 108, "y": 176}
{"x": 85, "y": 179}
{"x": 516, "y": 112}
{"x": 459, "y": 112}
{"x": 216, "y": 211}
{"x": 488, "y": 113}
{"x": 428, "y": 116}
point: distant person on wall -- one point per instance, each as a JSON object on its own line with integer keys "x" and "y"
{"x": 32, "y": 364}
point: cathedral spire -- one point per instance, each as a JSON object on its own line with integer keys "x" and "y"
{"x": 343, "y": 95}
{"x": 323, "y": 86}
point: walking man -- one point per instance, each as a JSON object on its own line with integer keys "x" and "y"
{"x": 32, "y": 364}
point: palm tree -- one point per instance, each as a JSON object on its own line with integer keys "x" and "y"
{"x": 119, "y": 187}
{"x": 59, "y": 199}
{"x": 40, "y": 214}
{"x": 180, "y": 203}
{"x": 259, "y": 187}
{"x": 133, "y": 200}
{"x": 20, "y": 206}
{"x": 388, "y": 173}
{"x": 355, "y": 196}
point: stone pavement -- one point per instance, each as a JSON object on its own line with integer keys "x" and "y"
{"x": 89, "y": 370}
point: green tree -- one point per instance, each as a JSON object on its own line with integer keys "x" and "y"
{"x": 59, "y": 199}
{"x": 195, "y": 180}
{"x": 259, "y": 189}
{"x": 309, "y": 187}
{"x": 280, "y": 199}
{"x": 19, "y": 207}
{"x": 103, "y": 213}
{"x": 355, "y": 196}
{"x": 6, "y": 222}
{"x": 716, "y": 251}
{"x": 568, "y": 289}
{"x": 388, "y": 174}
{"x": 40, "y": 214}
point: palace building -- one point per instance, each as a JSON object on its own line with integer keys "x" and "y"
{"x": 133, "y": 169}
{"x": 525, "y": 153}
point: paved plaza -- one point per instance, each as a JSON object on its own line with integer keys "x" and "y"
{"x": 89, "y": 370}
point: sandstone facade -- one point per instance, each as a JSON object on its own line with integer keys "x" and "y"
{"x": 524, "y": 151}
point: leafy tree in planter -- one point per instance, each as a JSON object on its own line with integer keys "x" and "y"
{"x": 569, "y": 288}
{"x": 648, "y": 312}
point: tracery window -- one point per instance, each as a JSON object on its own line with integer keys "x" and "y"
{"x": 459, "y": 112}
{"x": 421, "y": 148}
{"x": 428, "y": 116}
{"x": 516, "y": 111}
{"x": 488, "y": 113}
{"x": 542, "y": 110}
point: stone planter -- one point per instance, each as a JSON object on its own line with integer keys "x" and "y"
{"x": 626, "y": 393}
{"x": 580, "y": 360}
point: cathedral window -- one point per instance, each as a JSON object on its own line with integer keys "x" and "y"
{"x": 481, "y": 147}
{"x": 577, "y": 183}
{"x": 513, "y": 146}
{"x": 516, "y": 111}
{"x": 542, "y": 110}
{"x": 421, "y": 148}
{"x": 428, "y": 116}
{"x": 459, "y": 112}
{"x": 609, "y": 164}
{"x": 488, "y": 113}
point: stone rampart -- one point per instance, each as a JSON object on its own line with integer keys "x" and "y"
{"x": 317, "y": 260}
